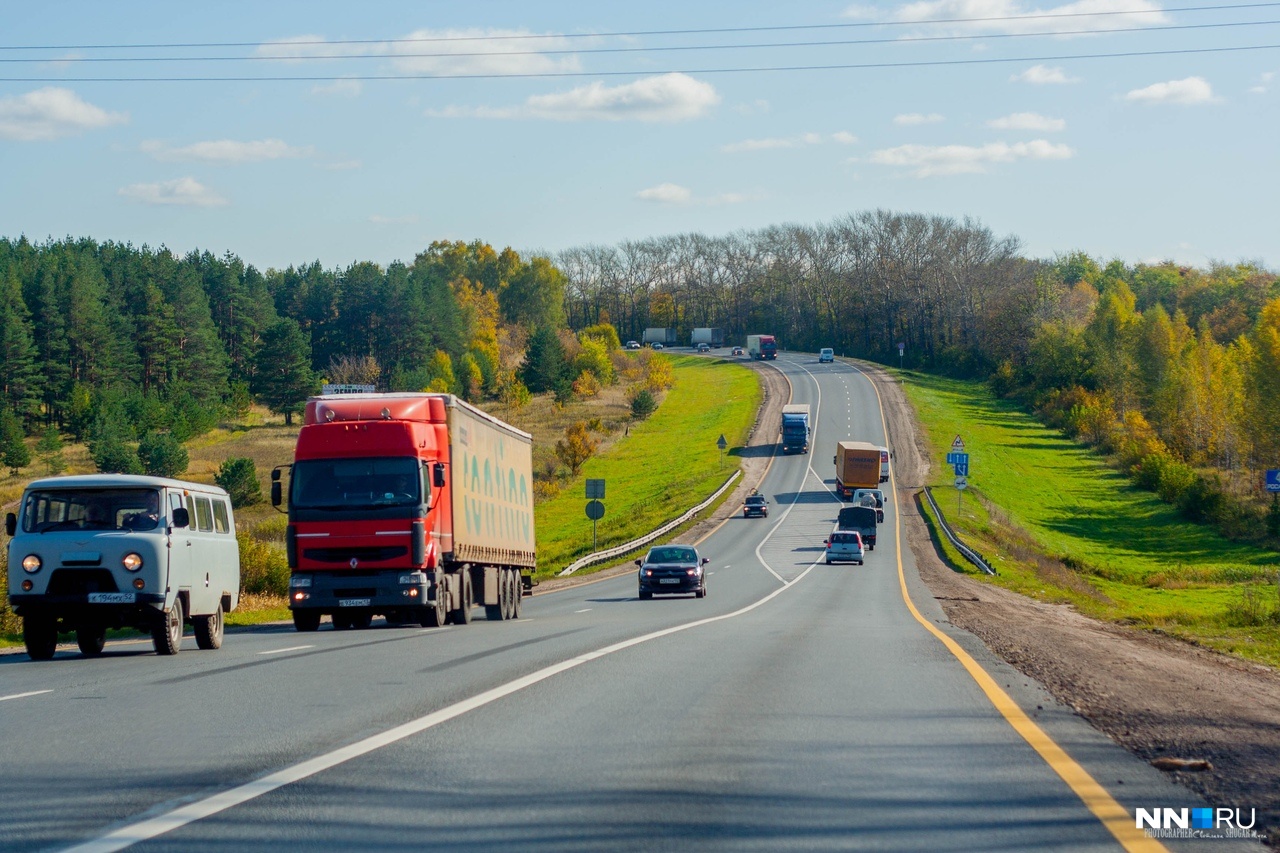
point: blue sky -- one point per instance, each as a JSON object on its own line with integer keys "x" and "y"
{"x": 593, "y": 122}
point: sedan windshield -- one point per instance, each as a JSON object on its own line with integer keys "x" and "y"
{"x": 673, "y": 555}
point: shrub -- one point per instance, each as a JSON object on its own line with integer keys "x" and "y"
{"x": 643, "y": 404}
{"x": 113, "y": 456}
{"x": 576, "y": 447}
{"x": 162, "y": 455}
{"x": 660, "y": 375}
{"x": 239, "y": 476}
{"x": 586, "y": 385}
{"x": 264, "y": 568}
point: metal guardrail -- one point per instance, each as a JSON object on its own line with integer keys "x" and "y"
{"x": 969, "y": 554}
{"x": 619, "y": 550}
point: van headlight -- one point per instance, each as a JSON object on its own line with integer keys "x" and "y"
{"x": 132, "y": 562}
{"x": 31, "y": 564}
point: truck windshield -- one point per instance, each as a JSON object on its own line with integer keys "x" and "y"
{"x": 346, "y": 483}
{"x": 46, "y": 510}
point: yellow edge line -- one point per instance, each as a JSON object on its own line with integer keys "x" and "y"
{"x": 1096, "y": 798}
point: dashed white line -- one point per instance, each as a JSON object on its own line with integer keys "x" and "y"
{"x": 282, "y": 651}
{"x": 588, "y": 610}
{"x": 24, "y": 695}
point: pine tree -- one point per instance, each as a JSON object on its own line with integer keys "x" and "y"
{"x": 284, "y": 378}
{"x": 544, "y": 365}
{"x": 13, "y": 448}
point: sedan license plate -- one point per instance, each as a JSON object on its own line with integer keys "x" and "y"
{"x": 353, "y": 602}
{"x": 668, "y": 580}
{"x": 113, "y": 597}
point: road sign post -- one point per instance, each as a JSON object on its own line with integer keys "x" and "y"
{"x": 595, "y": 512}
{"x": 722, "y": 444}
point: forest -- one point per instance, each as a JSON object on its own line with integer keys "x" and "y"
{"x": 1172, "y": 371}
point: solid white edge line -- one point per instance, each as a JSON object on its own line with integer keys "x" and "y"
{"x": 25, "y": 695}
{"x": 154, "y": 827}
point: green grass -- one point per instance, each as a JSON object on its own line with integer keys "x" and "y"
{"x": 665, "y": 465}
{"x": 1061, "y": 525}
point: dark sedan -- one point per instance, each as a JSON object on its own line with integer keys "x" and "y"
{"x": 755, "y": 505}
{"x": 671, "y": 569}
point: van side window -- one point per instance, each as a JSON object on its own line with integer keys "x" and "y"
{"x": 221, "y": 522}
{"x": 204, "y": 515}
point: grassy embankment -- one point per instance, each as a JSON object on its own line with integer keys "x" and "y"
{"x": 654, "y": 469}
{"x": 1060, "y": 525}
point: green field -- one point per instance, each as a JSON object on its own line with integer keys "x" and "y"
{"x": 663, "y": 466}
{"x": 1059, "y": 524}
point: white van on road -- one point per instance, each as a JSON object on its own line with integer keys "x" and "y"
{"x": 102, "y": 551}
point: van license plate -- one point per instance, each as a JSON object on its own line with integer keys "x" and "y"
{"x": 353, "y": 602}
{"x": 113, "y": 597}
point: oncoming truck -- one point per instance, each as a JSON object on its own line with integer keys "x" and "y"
{"x": 713, "y": 338}
{"x": 857, "y": 467}
{"x": 415, "y": 507}
{"x": 762, "y": 347}
{"x": 795, "y": 428}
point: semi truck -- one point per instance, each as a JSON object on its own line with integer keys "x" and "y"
{"x": 412, "y": 506}
{"x": 713, "y": 338}
{"x": 861, "y": 519}
{"x": 795, "y": 428}
{"x": 857, "y": 467}
{"x": 762, "y": 347}
{"x": 655, "y": 335}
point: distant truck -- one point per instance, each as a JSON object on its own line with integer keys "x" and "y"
{"x": 762, "y": 347}
{"x": 411, "y": 506}
{"x": 713, "y": 338}
{"x": 857, "y": 467}
{"x": 655, "y": 335}
{"x": 861, "y": 519}
{"x": 795, "y": 428}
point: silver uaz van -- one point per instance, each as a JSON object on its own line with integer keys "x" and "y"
{"x": 103, "y": 551}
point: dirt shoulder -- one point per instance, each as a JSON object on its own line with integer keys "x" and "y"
{"x": 1161, "y": 698}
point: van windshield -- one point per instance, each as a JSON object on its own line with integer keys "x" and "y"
{"x": 361, "y": 482}
{"x": 45, "y": 510}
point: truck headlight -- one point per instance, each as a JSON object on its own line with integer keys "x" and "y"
{"x": 299, "y": 581}
{"x": 132, "y": 562}
{"x": 31, "y": 564}
{"x": 413, "y": 578}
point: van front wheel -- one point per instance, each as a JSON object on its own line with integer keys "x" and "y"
{"x": 209, "y": 629}
{"x": 40, "y": 635}
{"x": 167, "y": 635}
{"x": 91, "y": 639}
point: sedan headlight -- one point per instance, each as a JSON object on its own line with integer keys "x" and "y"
{"x": 132, "y": 562}
{"x": 31, "y": 564}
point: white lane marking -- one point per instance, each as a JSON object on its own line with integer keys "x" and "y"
{"x": 154, "y": 827}
{"x": 588, "y": 610}
{"x": 25, "y": 695}
{"x": 282, "y": 651}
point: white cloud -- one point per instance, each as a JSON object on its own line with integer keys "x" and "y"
{"x": 1028, "y": 121}
{"x": 1192, "y": 90}
{"x": 1264, "y": 83}
{"x": 1011, "y": 16}
{"x": 843, "y": 137}
{"x": 771, "y": 143}
{"x": 226, "y": 151}
{"x": 50, "y": 113}
{"x": 917, "y": 118}
{"x": 1043, "y": 75}
{"x": 186, "y": 192}
{"x": 666, "y": 194}
{"x": 339, "y": 89}
{"x": 928, "y": 160}
{"x": 665, "y": 98}
{"x": 757, "y": 107}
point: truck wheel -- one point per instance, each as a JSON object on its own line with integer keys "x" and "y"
{"x": 462, "y": 616}
{"x": 209, "y": 629}
{"x": 341, "y": 621}
{"x": 91, "y": 639}
{"x": 166, "y": 636}
{"x": 40, "y": 634}
{"x": 517, "y": 595}
{"x": 306, "y": 620}
{"x": 360, "y": 621}
{"x": 433, "y": 616}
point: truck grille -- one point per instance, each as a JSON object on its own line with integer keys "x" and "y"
{"x": 364, "y": 555}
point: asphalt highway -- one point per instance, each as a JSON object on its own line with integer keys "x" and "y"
{"x": 799, "y": 706}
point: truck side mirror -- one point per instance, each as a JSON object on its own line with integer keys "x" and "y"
{"x": 437, "y": 475}
{"x": 181, "y": 517}
{"x": 11, "y": 524}
{"x": 276, "y": 492}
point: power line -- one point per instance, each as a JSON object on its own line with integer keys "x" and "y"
{"x": 636, "y": 33}
{"x": 646, "y": 72}
{"x": 610, "y": 50}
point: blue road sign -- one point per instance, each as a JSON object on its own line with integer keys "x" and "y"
{"x": 962, "y": 468}
{"x": 1273, "y": 480}
{"x": 957, "y": 458}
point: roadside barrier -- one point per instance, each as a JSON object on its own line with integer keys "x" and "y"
{"x": 969, "y": 554}
{"x": 619, "y": 550}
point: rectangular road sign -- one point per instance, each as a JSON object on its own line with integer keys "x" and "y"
{"x": 962, "y": 468}
{"x": 1273, "y": 480}
{"x": 956, "y": 458}
{"x": 595, "y": 488}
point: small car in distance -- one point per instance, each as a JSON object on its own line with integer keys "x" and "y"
{"x": 826, "y": 355}
{"x": 657, "y": 345}
{"x": 672, "y": 569}
{"x": 633, "y": 345}
{"x": 704, "y": 347}
{"x": 844, "y": 546}
{"x": 755, "y": 506}
{"x": 737, "y": 351}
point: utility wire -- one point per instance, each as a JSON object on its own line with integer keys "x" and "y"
{"x": 646, "y": 72}
{"x": 608, "y": 50}
{"x": 635, "y": 33}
